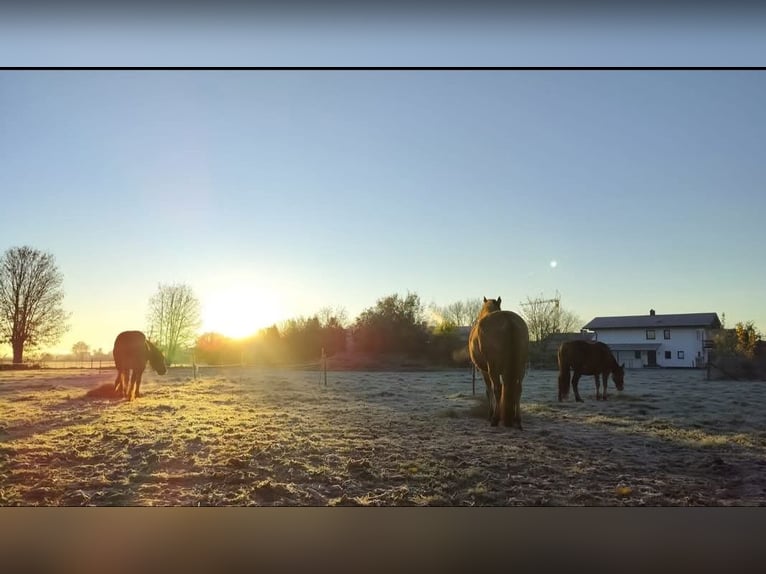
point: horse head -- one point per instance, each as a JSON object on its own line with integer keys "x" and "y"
{"x": 490, "y": 306}
{"x": 156, "y": 359}
{"x": 618, "y": 374}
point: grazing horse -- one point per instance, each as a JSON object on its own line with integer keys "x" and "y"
{"x": 587, "y": 358}
{"x": 499, "y": 346}
{"x": 131, "y": 351}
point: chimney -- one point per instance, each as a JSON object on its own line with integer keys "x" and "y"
{"x": 651, "y": 312}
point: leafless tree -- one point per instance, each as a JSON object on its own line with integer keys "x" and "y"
{"x": 173, "y": 317}
{"x": 332, "y": 316}
{"x": 460, "y": 313}
{"x": 545, "y": 317}
{"x": 472, "y": 309}
{"x": 30, "y": 300}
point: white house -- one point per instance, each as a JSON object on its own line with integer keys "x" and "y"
{"x": 653, "y": 340}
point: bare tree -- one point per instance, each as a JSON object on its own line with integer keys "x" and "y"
{"x": 472, "y": 309}
{"x": 174, "y": 317}
{"x": 333, "y": 316}
{"x": 80, "y": 349}
{"x": 460, "y": 313}
{"x": 545, "y": 317}
{"x": 30, "y": 300}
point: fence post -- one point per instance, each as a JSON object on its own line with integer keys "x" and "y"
{"x": 324, "y": 366}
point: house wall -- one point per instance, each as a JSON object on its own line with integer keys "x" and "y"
{"x": 629, "y": 360}
{"x": 686, "y": 339}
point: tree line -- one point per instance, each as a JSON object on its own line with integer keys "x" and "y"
{"x": 32, "y": 316}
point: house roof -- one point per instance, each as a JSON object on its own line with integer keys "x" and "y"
{"x": 709, "y": 320}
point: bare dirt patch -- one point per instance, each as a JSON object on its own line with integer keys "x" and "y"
{"x": 238, "y": 437}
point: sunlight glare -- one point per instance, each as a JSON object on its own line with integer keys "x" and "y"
{"x": 239, "y": 311}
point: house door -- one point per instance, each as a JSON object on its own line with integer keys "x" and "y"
{"x": 651, "y": 357}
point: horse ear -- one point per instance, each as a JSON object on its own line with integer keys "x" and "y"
{"x": 485, "y": 299}
{"x": 499, "y": 300}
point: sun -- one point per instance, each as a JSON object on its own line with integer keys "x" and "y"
{"x": 239, "y": 311}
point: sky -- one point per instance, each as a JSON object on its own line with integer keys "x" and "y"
{"x": 274, "y": 193}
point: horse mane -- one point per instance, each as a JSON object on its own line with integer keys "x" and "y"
{"x": 613, "y": 364}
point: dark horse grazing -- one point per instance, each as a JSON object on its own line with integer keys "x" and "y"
{"x": 131, "y": 351}
{"x": 499, "y": 345}
{"x": 587, "y": 358}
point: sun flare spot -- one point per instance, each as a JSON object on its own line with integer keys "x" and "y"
{"x": 554, "y": 264}
{"x": 239, "y": 311}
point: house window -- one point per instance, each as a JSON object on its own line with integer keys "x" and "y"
{"x": 650, "y": 333}
{"x": 680, "y": 354}
{"x": 638, "y": 355}
{"x": 666, "y": 333}
{"x": 668, "y": 354}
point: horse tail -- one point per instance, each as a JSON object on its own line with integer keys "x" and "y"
{"x": 564, "y": 379}
{"x": 514, "y": 366}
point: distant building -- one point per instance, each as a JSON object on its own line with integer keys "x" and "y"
{"x": 652, "y": 340}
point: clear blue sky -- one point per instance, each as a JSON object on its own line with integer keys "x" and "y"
{"x": 274, "y": 194}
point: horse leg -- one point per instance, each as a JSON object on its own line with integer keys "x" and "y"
{"x": 135, "y": 383}
{"x": 598, "y": 387}
{"x": 138, "y": 383}
{"x": 124, "y": 382}
{"x": 604, "y": 379}
{"x": 497, "y": 391}
{"x": 129, "y": 384}
{"x": 563, "y": 384}
{"x": 490, "y": 396}
{"x": 118, "y": 382}
{"x": 575, "y": 380}
{"x": 132, "y": 386}
{"x": 512, "y": 398}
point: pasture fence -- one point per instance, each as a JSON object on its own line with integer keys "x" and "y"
{"x": 318, "y": 365}
{"x": 87, "y": 364}
{"x": 196, "y": 368}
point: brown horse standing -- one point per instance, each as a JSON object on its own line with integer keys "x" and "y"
{"x": 587, "y": 358}
{"x": 499, "y": 346}
{"x": 131, "y": 352}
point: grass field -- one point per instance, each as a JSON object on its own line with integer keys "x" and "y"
{"x": 238, "y": 437}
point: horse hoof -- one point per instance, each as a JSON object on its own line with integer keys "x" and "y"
{"x": 579, "y": 400}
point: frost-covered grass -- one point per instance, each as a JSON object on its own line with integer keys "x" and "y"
{"x": 260, "y": 437}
